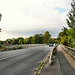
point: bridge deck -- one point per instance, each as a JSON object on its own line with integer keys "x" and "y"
{"x": 65, "y": 67}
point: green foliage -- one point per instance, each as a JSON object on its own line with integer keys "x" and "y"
{"x": 53, "y": 40}
{"x": 2, "y": 47}
{"x": 72, "y": 33}
{"x": 2, "y": 42}
{"x": 15, "y": 41}
{"x": 19, "y": 47}
{"x": 47, "y": 37}
{"x": 52, "y": 63}
{"x": 67, "y": 37}
{"x": 37, "y": 39}
{"x": 28, "y": 40}
{"x": 54, "y": 52}
{"x": 71, "y": 37}
{"x": 71, "y": 16}
{"x": 73, "y": 43}
{"x": 71, "y": 24}
{"x": 14, "y": 48}
{"x": 64, "y": 36}
{"x": 40, "y": 68}
{"x": 64, "y": 40}
{"x": 10, "y": 41}
{"x": 19, "y": 40}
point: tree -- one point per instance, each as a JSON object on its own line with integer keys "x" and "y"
{"x": 37, "y": 39}
{"x": 15, "y": 41}
{"x": 10, "y": 41}
{"x": 28, "y": 40}
{"x": 53, "y": 40}
{"x": 41, "y": 37}
{"x": 2, "y": 42}
{"x": 64, "y": 36}
{"x": 71, "y": 37}
{"x": 71, "y": 16}
{"x": 71, "y": 24}
{"x": 47, "y": 37}
{"x": 20, "y": 40}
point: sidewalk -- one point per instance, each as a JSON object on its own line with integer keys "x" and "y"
{"x": 52, "y": 70}
{"x": 61, "y": 66}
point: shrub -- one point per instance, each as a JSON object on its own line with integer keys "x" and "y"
{"x": 54, "y": 52}
{"x": 19, "y": 47}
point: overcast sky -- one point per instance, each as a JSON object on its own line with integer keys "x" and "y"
{"x": 24, "y": 18}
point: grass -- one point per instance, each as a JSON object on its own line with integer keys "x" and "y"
{"x": 53, "y": 56}
{"x": 19, "y": 47}
{"x": 14, "y": 48}
{"x": 54, "y": 52}
{"x": 3, "y": 48}
{"x": 40, "y": 68}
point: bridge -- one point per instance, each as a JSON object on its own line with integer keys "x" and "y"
{"x": 38, "y": 59}
{"x": 64, "y": 62}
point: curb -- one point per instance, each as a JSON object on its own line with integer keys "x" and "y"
{"x": 48, "y": 58}
{"x": 22, "y": 47}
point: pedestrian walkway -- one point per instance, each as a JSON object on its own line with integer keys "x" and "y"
{"x": 52, "y": 70}
{"x": 61, "y": 66}
{"x": 65, "y": 66}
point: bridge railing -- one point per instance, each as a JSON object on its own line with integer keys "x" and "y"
{"x": 69, "y": 50}
{"x": 51, "y": 54}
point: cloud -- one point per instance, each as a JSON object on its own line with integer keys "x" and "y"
{"x": 29, "y": 15}
{"x": 61, "y": 10}
{"x": 26, "y": 33}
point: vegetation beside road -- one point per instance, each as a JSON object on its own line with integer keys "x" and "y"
{"x": 36, "y": 39}
{"x": 15, "y": 47}
{"x": 50, "y": 57}
{"x": 67, "y": 36}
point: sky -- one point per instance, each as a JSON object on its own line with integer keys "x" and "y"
{"x": 24, "y": 18}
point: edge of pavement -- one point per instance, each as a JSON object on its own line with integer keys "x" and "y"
{"x": 15, "y": 47}
{"x": 47, "y": 61}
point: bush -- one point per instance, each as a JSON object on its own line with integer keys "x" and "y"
{"x": 19, "y": 47}
{"x": 54, "y": 52}
{"x": 14, "y": 48}
{"x": 72, "y": 43}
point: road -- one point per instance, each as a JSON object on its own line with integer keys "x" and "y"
{"x": 22, "y": 61}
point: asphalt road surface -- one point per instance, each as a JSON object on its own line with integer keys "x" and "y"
{"x": 22, "y": 61}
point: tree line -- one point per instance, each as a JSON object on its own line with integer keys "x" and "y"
{"x": 67, "y": 36}
{"x": 36, "y": 39}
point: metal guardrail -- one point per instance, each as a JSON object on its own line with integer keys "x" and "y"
{"x": 48, "y": 59}
{"x": 69, "y": 50}
{"x": 51, "y": 54}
